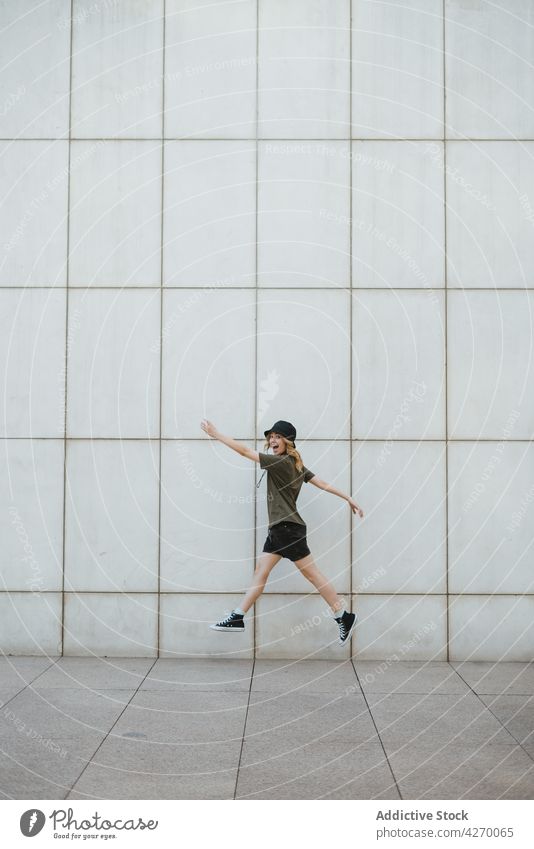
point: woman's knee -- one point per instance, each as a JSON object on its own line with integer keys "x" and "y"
{"x": 309, "y": 572}
{"x": 262, "y": 571}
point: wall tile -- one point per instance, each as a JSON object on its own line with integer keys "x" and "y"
{"x": 30, "y": 623}
{"x": 397, "y": 77}
{"x": 491, "y": 491}
{"x": 303, "y": 213}
{"x": 207, "y": 518}
{"x": 400, "y": 542}
{"x": 110, "y": 624}
{"x": 399, "y": 365}
{"x": 490, "y": 210}
{"x": 208, "y": 362}
{"x": 303, "y": 334}
{"x": 491, "y": 628}
{"x": 111, "y": 533}
{"x": 117, "y": 68}
{"x": 33, "y": 212}
{"x": 304, "y": 69}
{"x": 400, "y": 627}
{"x": 398, "y": 215}
{"x": 490, "y": 81}
{"x": 490, "y": 380}
{"x": 32, "y": 362}
{"x": 34, "y": 88}
{"x": 209, "y": 219}
{"x": 185, "y": 631}
{"x": 115, "y": 213}
{"x": 31, "y": 514}
{"x": 297, "y": 626}
{"x": 113, "y": 371}
{"x": 210, "y": 67}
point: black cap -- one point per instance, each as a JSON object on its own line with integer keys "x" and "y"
{"x": 285, "y": 428}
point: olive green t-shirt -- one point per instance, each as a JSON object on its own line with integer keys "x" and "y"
{"x": 283, "y": 487}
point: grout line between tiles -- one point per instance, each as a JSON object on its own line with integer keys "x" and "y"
{"x": 256, "y": 196}
{"x": 394, "y": 777}
{"x": 66, "y": 360}
{"x": 28, "y": 683}
{"x": 108, "y": 732}
{"x": 487, "y": 707}
{"x": 244, "y": 726}
{"x": 291, "y": 139}
{"x": 445, "y": 365}
{"x": 80, "y": 287}
{"x": 351, "y": 330}
{"x": 390, "y": 594}
{"x": 437, "y": 440}
{"x": 158, "y": 625}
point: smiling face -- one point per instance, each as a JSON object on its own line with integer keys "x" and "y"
{"x": 277, "y": 443}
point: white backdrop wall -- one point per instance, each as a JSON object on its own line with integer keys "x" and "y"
{"x": 247, "y": 211}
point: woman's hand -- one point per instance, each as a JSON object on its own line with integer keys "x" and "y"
{"x": 209, "y": 427}
{"x": 355, "y": 508}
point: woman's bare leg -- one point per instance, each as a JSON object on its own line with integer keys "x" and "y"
{"x": 310, "y": 571}
{"x": 264, "y": 564}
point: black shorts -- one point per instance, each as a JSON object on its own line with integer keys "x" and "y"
{"x": 287, "y": 539}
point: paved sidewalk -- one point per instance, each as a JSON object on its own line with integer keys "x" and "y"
{"x": 139, "y": 728}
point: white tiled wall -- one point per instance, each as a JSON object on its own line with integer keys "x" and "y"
{"x": 303, "y": 213}
{"x": 210, "y": 69}
{"x": 210, "y": 200}
{"x": 34, "y": 86}
{"x": 115, "y": 213}
{"x": 117, "y": 71}
{"x": 304, "y": 69}
{"x": 34, "y": 211}
{"x": 191, "y": 229}
{"x": 489, "y": 85}
{"x": 397, "y": 69}
{"x": 111, "y": 522}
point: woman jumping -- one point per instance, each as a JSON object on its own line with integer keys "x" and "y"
{"x": 287, "y": 530}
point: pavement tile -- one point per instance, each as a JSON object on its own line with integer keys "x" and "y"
{"x": 516, "y": 713}
{"x": 18, "y": 671}
{"x": 35, "y": 774}
{"x": 7, "y": 693}
{"x": 316, "y": 771}
{"x": 410, "y": 676}
{"x": 309, "y": 717}
{"x": 62, "y": 713}
{"x": 493, "y": 678}
{"x": 102, "y": 783}
{"x": 297, "y": 676}
{"x": 96, "y": 673}
{"x": 136, "y": 755}
{"x": 462, "y": 771}
{"x": 197, "y": 675}
{"x": 177, "y": 716}
{"x": 418, "y": 718}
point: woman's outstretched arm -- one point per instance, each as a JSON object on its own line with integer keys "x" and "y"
{"x": 244, "y": 450}
{"x": 321, "y": 484}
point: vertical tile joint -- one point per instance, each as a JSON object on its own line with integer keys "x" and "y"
{"x": 65, "y": 387}
{"x": 445, "y": 312}
{"x": 158, "y": 614}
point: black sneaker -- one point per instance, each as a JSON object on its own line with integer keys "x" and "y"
{"x": 234, "y": 622}
{"x": 346, "y": 626}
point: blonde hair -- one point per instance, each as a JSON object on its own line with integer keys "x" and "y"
{"x": 291, "y": 450}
